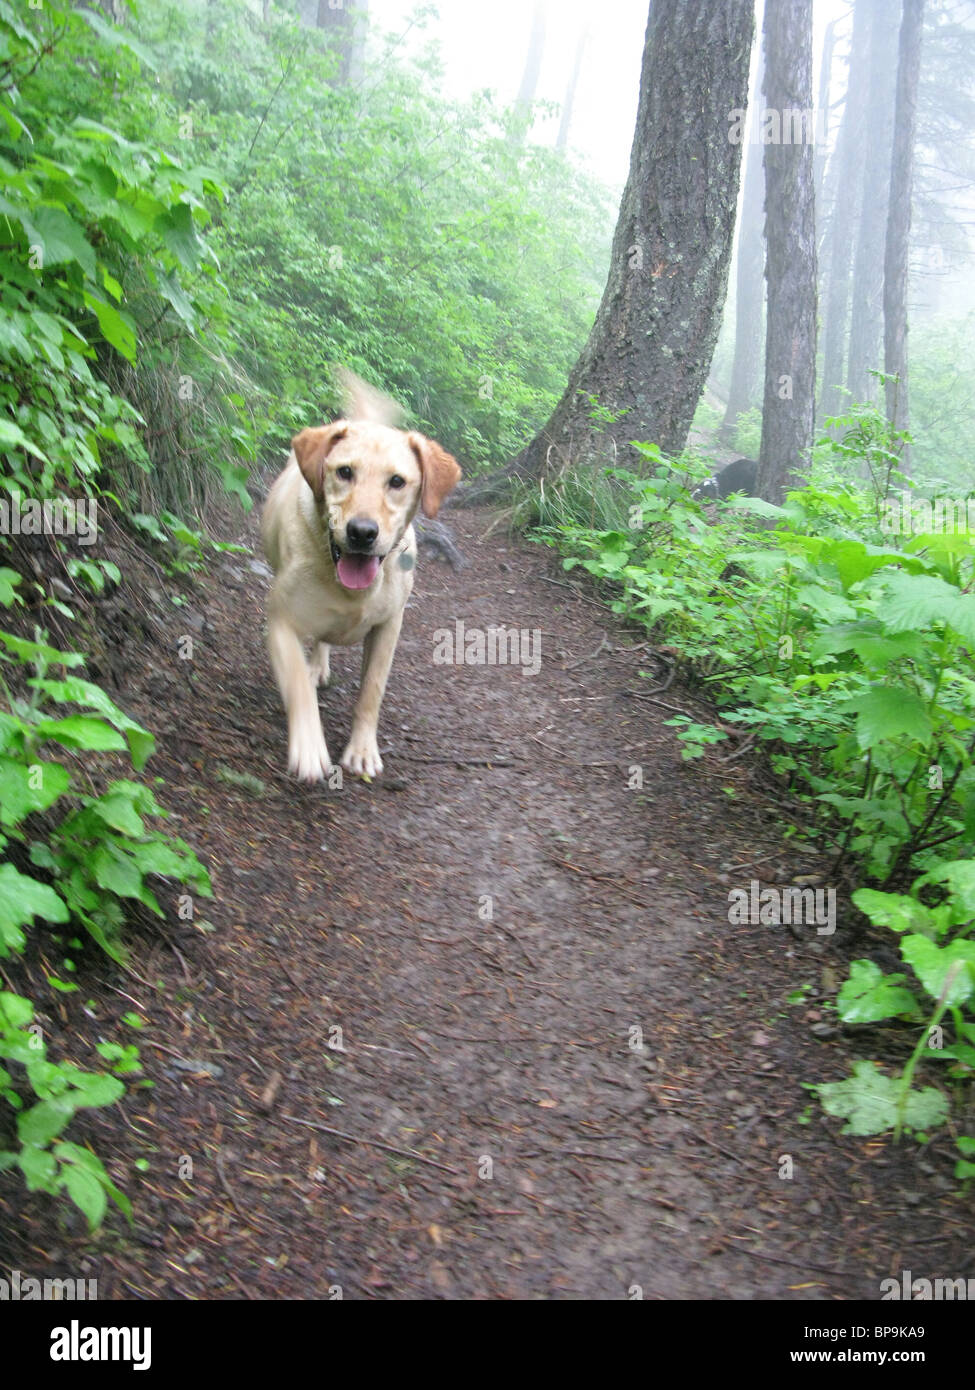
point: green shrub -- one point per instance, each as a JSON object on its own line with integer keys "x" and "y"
{"x": 99, "y": 231}
{"x": 95, "y": 855}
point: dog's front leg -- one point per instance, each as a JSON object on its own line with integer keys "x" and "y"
{"x": 320, "y": 666}
{"x": 307, "y": 754}
{"x": 362, "y": 754}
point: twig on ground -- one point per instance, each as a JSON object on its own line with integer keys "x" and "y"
{"x": 372, "y": 1143}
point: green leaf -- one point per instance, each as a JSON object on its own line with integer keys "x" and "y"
{"x": 38, "y": 1167}
{"x": 86, "y": 1192}
{"x": 45, "y": 1121}
{"x": 116, "y": 328}
{"x": 94, "y": 130}
{"x": 946, "y": 972}
{"x": 959, "y": 875}
{"x": 21, "y": 899}
{"x": 118, "y": 38}
{"x": 120, "y": 874}
{"x": 142, "y": 744}
{"x": 894, "y": 910}
{"x": 24, "y": 790}
{"x": 82, "y": 731}
{"x": 95, "y": 1088}
{"x": 81, "y": 692}
{"x": 15, "y": 1010}
{"x": 14, "y": 124}
{"x": 174, "y": 294}
{"x": 61, "y": 239}
{"x": 118, "y": 812}
{"x": 867, "y": 639}
{"x": 9, "y": 579}
{"x": 868, "y": 1101}
{"x": 90, "y": 1163}
{"x": 13, "y": 437}
{"x": 179, "y": 235}
{"x": 116, "y": 873}
{"x": 62, "y": 986}
{"x": 39, "y": 652}
{"x": 157, "y": 856}
{"x": 913, "y": 602}
{"x": 886, "y": 713}
{"x": 150, "y": 524}
{"x": 869, "y": 995}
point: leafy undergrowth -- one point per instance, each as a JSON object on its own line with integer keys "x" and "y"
{"x": 836, "y": 634}
{"x": 99, "y": 232}
{"x": 72, "y": 859}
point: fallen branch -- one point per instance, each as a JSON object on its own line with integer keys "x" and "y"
{"x": 373, "y": 1143}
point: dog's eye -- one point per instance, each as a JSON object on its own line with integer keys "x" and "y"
{"x": 397, "y": 481}
{"x": 345, "y": 473}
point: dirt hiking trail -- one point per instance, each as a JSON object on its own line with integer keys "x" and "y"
{"x": 481, "y": 1028}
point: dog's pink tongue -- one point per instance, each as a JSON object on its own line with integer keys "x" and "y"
{"x": 357, "y": 571}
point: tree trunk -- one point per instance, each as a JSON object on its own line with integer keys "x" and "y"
{"x": 360, "y": 25}
{"x": 899, "y": 218}
{"x": 562, "y": 138}
{"x": 342, "y": 21}
{"x": 749, "y": 286}
{"x": 649, "y": 350}
{"x": 788, "y": 415}
{"x": 850, "y": 156}
{"x": 533, "y": 62}
{"x": 822, "y": 112}
{"x": 866, "y": 317}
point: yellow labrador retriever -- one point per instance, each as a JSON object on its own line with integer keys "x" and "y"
{"x": 337, "y": 531}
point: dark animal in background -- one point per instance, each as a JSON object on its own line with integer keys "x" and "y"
{"x": 738, "y": 476}
{"x": 438, "y": 539}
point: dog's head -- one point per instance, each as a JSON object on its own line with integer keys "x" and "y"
{"x": 368, "y": 480}
{"x": 707, "y": 491}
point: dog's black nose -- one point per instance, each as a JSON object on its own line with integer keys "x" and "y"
{"x": 361, "y": 534}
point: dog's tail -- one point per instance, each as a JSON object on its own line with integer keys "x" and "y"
{"x": 360, "y": 401}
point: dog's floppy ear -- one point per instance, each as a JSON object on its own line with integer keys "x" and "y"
{"x": 440, "y": 471}
{"x": 312, "y": 448}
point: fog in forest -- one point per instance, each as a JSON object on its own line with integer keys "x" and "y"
{"x": 484, "y": 47}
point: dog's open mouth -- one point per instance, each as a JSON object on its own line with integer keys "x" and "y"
{"x": 355, "y": 570}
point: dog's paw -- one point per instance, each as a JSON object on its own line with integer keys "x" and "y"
{"x": 362, "y": 756}
{"x": 308, "y": 760}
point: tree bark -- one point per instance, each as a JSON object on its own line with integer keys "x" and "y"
{"x": 850, "y": 156}
{"x": 899, "y": 219}
{"x": 866, "y": 317}
{"x": 788, "y": 415}
{"x": 650, "y": 348}
{"x": 746, "y": 365}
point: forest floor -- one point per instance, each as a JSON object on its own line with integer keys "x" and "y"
{"x": 495, "y": 926}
